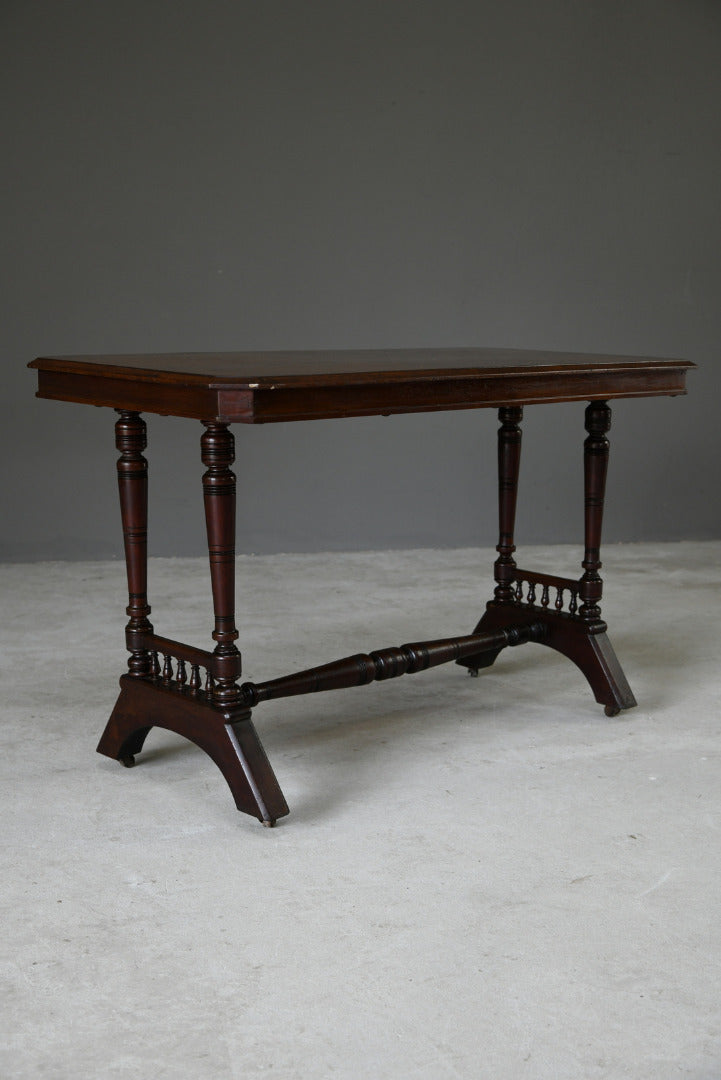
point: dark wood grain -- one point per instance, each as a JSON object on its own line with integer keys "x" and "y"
{"x": 218, "y": 454}
{"x": 595, "y": 467}
{"x": 592, "y": 653}
{"x": 269, "y": 387}
{"x": 227, "y": 736}
{"x": 364, "y": 668}
{"x": 509, "y": 461}
{"x": 131, "y": 440}
{"x": 310, "y": 368}
{"x": 205, "y": 704}
{"x": 568, "y": 610}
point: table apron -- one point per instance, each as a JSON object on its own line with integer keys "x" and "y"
{"x": 273, "y": 404}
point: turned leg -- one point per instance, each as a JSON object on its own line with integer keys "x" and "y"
{"x": 595, "y": 467}
{"x": 218, "y": 454}
{"x": 603, "y": 669}
{"x": 509, "y": 463}
{"x": 215, "y": 718}
{"x": 228, "y": 737}
{"x": 131, "y": 440}
{"x": 569, "y": 610}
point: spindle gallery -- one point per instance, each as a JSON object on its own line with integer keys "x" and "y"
{"x": 198, "y": 693}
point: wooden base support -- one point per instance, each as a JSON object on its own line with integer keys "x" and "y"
{"x": 226, "y": 735}
{"x": 364, "y": 668}
{"x": 562, "y": 613}
{"x": 588, "y": 648}
{"x": 567, "y": 610}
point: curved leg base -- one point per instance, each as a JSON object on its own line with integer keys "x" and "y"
{"x": 227, "y": 736}
{"x": 593, "y": 654}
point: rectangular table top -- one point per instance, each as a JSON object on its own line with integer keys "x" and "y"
{"x": 255, "y": 387}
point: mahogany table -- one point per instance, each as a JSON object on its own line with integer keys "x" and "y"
{"x": 219, "y": 389}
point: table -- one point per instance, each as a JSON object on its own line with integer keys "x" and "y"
{"x": 196, "y": 692}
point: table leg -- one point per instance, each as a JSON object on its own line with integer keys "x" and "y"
{"x": 509, "y": 464}
{"x": 215, "y": 718}
{"x": 131, "y": 440}
{"x": 218, "y": 453}
{"x": 522, "y": 597}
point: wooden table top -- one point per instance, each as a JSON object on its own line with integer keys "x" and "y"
{"x": 257, "y": 387}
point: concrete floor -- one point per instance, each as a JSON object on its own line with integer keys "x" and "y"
{"x": 479, "y": 878}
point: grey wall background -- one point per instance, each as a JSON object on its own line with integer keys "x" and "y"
{"x": 221, "y": 175}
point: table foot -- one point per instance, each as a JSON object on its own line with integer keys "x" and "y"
{"x": 226, "y": 735}
{"x": 569, "y": 635}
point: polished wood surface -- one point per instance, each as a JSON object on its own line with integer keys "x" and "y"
{"x": 226, "y": 736}
{"x": 382, "y": 664}
{"x": 218, "y": 453}
{"x": 568, "y": 609}
{"x": 265, "y": 387}
{"x": 207, "y": 704}
{"x": 131, "y": 440}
